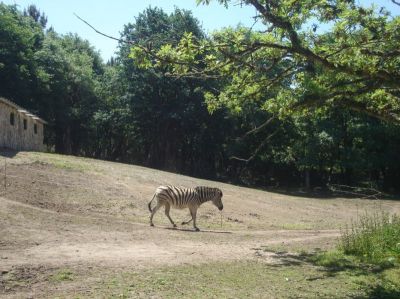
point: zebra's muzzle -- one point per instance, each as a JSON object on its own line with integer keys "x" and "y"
{"x": 221, "y": 208}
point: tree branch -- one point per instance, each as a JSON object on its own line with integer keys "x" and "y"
{"x": 359, "y": 107}
{"x": 298, "y": 48}
{"x": 263, "y": 125}
{"x": 257, "y": 149}
{"x": 103, "y": 34}
{"x": 147, "y": 51}
{"x": 347, "y": 102}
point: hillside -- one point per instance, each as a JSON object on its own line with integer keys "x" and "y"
{"x": 69, "y": 226}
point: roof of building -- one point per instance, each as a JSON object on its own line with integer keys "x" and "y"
{"x": 22, "y": 110}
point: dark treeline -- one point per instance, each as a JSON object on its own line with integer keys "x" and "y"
{"x": 118, "y": 112}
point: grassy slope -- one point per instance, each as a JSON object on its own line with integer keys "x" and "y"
{"x": 124, "y": 190}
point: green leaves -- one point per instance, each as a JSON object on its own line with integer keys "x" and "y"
{"x": 140, "y": 57}
{"x": 357, "y": 54}
{"x": 20, "y": 37}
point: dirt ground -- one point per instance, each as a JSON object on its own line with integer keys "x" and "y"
{"x": 91, "y": 217}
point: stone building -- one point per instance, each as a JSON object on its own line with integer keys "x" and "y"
{"x": 20, "y": 129}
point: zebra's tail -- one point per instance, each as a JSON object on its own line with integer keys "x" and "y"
{"x": 149, "y": 204}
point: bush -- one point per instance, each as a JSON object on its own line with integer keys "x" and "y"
{"x": 374, "y": 238}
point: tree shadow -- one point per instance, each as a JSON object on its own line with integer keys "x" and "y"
{"x": 328, "y": 194}
{"x": 330, "y": 268}
{"x": 380, "y": 292}
{"x": 335, "y": 267}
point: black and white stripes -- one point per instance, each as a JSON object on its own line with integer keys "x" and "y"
{"x": 180, "y": 198}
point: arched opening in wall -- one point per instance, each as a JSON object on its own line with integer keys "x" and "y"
{"x": 25, "y": 124}
{"x": 35, "y": 128}
{"x": 12, "y": 118}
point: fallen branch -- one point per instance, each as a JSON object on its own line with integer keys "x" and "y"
{"x": 362, "y": 192}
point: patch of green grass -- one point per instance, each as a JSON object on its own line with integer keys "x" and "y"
{"x": 370, "y": 252}
{"x": 334, "y": 260}
{"x": 375, "y": 238}
{"x": 378, "y": 281}
{"x": 69, "y": 165}
{"x": 389, "y": 285}
{"x": 63, "y": 161}
{"x": 233, "y": 280}
{"x": 63, "y": 275}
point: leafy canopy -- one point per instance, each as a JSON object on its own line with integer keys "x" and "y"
{"x": 352, "y": 61}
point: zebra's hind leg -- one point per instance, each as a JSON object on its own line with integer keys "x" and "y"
{"x": 194, "y": 213}
{"x": 167, "y": 208}
{"x": 187, "y": 222}
{"x": 159, "y": 205}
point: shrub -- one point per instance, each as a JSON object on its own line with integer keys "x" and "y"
{"x": 374, "y": 238}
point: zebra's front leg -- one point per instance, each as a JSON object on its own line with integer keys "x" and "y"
{"x": 167, "y": 208}
{"x": 194, "y": 213}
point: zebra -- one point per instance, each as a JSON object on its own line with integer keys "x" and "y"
{"x": 180, "y": 198}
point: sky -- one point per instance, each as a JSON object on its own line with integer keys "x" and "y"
{"x": 110, "y": 17}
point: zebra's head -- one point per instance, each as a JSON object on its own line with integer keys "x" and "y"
{"x": 217, "y": 200}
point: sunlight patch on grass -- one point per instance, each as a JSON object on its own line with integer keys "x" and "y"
{"x": 232, "y": 280}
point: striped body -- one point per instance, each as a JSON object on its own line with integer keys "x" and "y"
{"x": 181, "y": 198}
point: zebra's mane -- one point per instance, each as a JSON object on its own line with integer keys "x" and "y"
{"x": 205, "y": 188}
{"x": 206, "y": 193}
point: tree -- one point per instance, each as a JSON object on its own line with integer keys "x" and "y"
{"x": 315, "y": 86}
{"x": 20, "y": 38}
{"x": 36, "y": 15}
{"x": 171, "y": 122}
{"x": 353, "y": 64}
{"x": 69, "y": 69}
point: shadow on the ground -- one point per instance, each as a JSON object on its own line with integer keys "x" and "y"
{"x": 8, "y": 153}
{"x": 378, "y": 289}
{"x": 200, "y": 231}
{"x": 322, "y": 192}
{"x": 380, "y": 292}
{"x": 331, "y": 268}
{"x": 327, "y": 194}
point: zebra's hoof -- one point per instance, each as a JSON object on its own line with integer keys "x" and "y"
{"x": 174, "y": 225}
{"x": 183, "y": 223}
{"x": 151, "y": 224}
{"x": 196, "y": 229}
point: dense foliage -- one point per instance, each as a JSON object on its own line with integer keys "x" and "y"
{"x": 354, "y": 63}
{"x": 293, "y": 105}
{"x": 375, "y": 238}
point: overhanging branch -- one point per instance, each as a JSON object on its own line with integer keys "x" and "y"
{"x": 299, "y": 48}
{"x": 103, "y": 34}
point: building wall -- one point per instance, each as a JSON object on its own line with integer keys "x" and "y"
{"x": 15, "y": 136}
